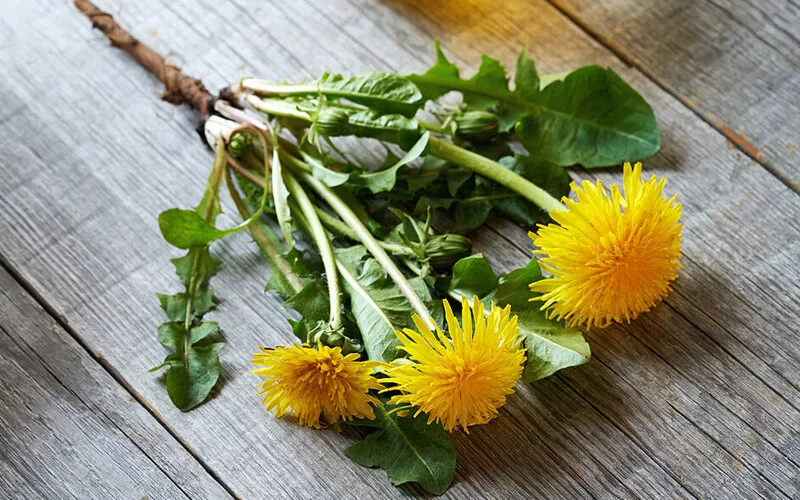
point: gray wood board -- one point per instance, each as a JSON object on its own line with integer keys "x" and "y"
{"x": 698, "y": 397}
{"x": 68, "y": 430}
{"x": 736, "y": 62}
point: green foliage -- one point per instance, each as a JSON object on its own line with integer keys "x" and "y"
{"x": 550, "y": 345}
{"x": 193, "y": 372}
{"x": 394, "y": 128}
{"x": 473, "y": 276}
{"x": 186, "y": 228}
{"x": 438, "y": 185}
{"x": 240, "y": 144}
{"x": 590, "y": 117}
{"x": 384, "y": 179}
{"x": 379, "y": 307}
{"x": 408, "y": 450}
{"x": 323, "y": 173}
{"x": 385, "y": 92}
{"x": 548, "y": 176}
{"x": 193, "y": 366}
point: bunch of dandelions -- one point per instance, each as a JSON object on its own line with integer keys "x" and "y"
{"x": 612, "y": 255}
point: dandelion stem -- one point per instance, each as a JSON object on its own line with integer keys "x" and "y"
{"x": 346, "y": 231}
{"x": 263, "y": 87}
{"x": 264, "y": 237}
{"x": 323, "y": 245}
{"x": 494, "y": 171}
{"x": 365, "y": 237}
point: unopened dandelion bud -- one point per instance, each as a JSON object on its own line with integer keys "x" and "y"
{"x": 445, "y": 249}
{"x": 332, "y": 122}
{"x": 477, "y": 126}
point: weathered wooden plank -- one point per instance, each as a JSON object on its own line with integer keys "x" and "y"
{"x": 734, "y": 62}
{"x": 657, "y": 415}
{"x": 68, "y": 429}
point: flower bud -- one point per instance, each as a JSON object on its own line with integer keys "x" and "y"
{"x": 477, "y": 126}
{"x": 332, "y": 122}
{"x": 445, "y": 249}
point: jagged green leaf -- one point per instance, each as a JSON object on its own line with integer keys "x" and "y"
{"x": 478, "y": 91}
{"x": 408, "y": 449}
{"x": 591, "y": 117}
{"x": 206, "y": 265}
{"x": 190, "y": 379}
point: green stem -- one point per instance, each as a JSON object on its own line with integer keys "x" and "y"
{"x": 365, "y": 237}
{"x": 266, "y": 240}
{"x": 263, "y": 87}
{"x": 323, "y": 245}
{"x": 431, "y": 126}
{"x": 276, "y": 107}
{"x": 494, "y": 171}
{"x": 326, "y": 218}
{"x": 213, "y": 193}
{"x": 345, "y": 230}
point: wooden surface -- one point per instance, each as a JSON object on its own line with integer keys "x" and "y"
{"x": 699, "y": 398}
{"x": 734, "y": 62}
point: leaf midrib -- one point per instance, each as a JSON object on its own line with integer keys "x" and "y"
{"x": 413, "y": 448}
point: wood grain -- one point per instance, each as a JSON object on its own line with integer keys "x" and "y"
{"x": 734, "y": 62}
{"x": 698, "y": 398}
{"x": 68, "y": 430}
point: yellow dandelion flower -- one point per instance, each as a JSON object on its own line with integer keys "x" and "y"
{"x": 612, "y": 255}
{"x": 309, "y": 383}
{"x": 461, "y": 380}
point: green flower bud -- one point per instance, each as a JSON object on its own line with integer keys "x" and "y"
{"x": 240, "y": 144}
{"x": 477, "y": 126}
{"x": 445, "y": 249}
{"x": 332, "y": 122}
